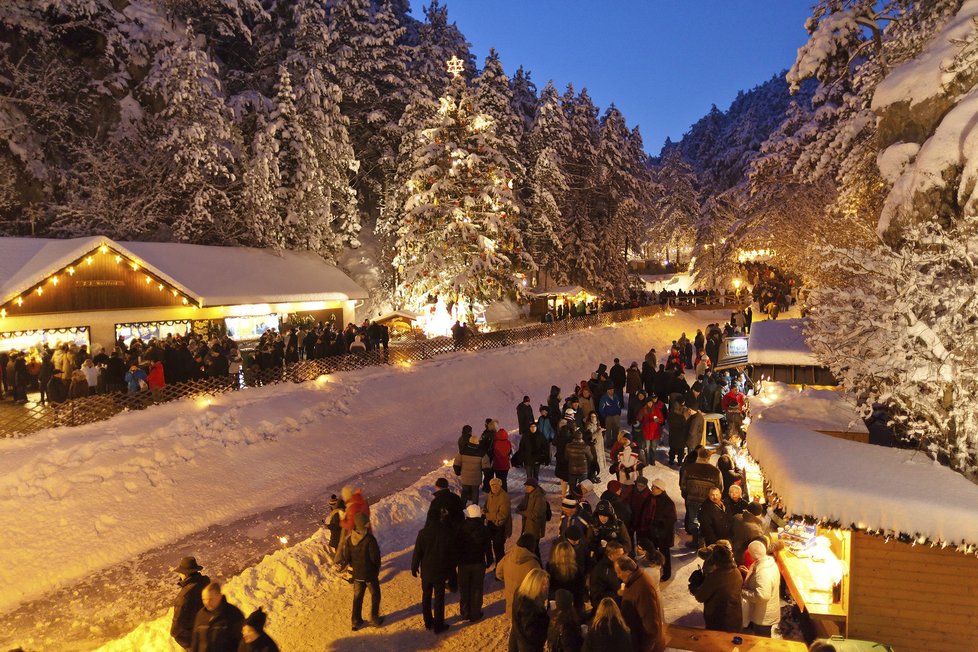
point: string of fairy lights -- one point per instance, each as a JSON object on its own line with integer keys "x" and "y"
{"x": 87, "y": 260}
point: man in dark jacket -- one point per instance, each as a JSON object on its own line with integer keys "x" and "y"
{"x": 700, "y": 477}
{"x": 57, "y": 389}
{"x": 362, "y": 554}
{"x": 188, "y": 601}
{"x": 578, "y": 456}
{"x": 436, "y": 558}
{"x": 663, "y": 525}
{"x": 603, "y": 582}
{"x": 524, "y": 415}
{"x": 640, "y": 607}
{"x": 535, "y": 450}
{"x": 217, "y": 627}
{"x": 719, "y": 591}
{"x": 643, "y": 508}
{"x": 475, "y": 556}
{"x": 618, "y": 377}
{"x": 613, "y": 494}
{"x": 447, "y": 502}
{"x": 715, "y": 521}
{"x": 676, "y": 420}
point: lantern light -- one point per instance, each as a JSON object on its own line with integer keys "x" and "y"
{"x": 103, "y": 249}
{"x": 161, "y": 287}
{"x": 174, "y": 293}
{"x": 185, "y": 302}
{"x": 3, "y": 313}
{"x": 148, "y": 279}
{"x": 54, "y": 280}
{"x": 88, "y": 260}
{"x": 135, "y": 267}
{"x": 71, "y": 271}
{"x": 40, "y": 291}
{"x": 20, "y": 301}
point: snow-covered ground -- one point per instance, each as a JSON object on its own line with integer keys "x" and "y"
{"x": 78, "y": 500}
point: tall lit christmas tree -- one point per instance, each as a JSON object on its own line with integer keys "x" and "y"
{"x": 457, "y": 242}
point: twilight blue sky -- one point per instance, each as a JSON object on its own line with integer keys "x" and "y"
{"x": 662, "y": 62}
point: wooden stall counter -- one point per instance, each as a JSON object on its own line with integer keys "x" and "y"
{"x": 707, "y": 640}
{"x": 828, "y": 617}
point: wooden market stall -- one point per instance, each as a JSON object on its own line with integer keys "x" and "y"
{"x": 100, "y": 290}
{"x": 566, "y": 299}
{"x": 881, "y": 542}
{"x": 777, "y": 350}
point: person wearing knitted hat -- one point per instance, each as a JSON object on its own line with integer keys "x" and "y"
{"x": 761, "y": 591}
{"x": 475, "y": 556}
{"x": 253, "y": 636}
{"x": 362, "y": 553}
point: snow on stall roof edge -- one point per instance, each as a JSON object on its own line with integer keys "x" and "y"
{"x": 779, "y": 342}
{"x": 879, "y": 488}
{"x": 818, "y": 409}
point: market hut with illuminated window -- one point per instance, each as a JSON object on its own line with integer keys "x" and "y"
{"x": 95, "y": 290}
{"x": 881, "y": 543}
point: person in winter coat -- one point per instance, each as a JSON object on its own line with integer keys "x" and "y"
{"x": 641, "y": 608}
{"x": 560, "y": 460}
{"x": 578, "y": 458}
{"x": 155, "y": 378}
{"x": 498, "y": 519}
{"x": 553, "y": 407}
{"x": 695, "y": 428}
{"x": 608, "y": 630}
{"x": 524, "y": 415}
{"x": 534, "y": 509}
{"x": 715, "y": 521}
{"x": 633, "y": 380}
{"x": 253, "y": 636}
{"x": 534, "y": 450}
{"x": 564, "y": 633}
{"x": 762, "y": 591}
{"x": 695, "y": 484}
{"x": 642, "y": 506}
{"x": 747, "y": 526}
{"x": 734, "y": 501}
{"x": 217, "y": 626}
{"x": 610, "y": 412}
{"x": 447, "y": 502}
{"x": 678, "y": 428}
{"x": 594, "y": 436}
{"x": 79, "y": 385}
{"x": 617, "y": 496}
{"x": 136, "y": 380}
{"x": 355, "y": 504}
{"x": 188, "y": 601}
{"x": 565, "y": 573}
{"x": 515, "y": 566}
{"x": 627, "y": 463}
{"x": 57, "y": 389}
{"x": 719, "y": 591}
{"x": 470, "y": 463}
{"x": 606, "y": 528}
{"x": 618, "y": 378}
{"x": 474, "y": 557}
{"x": 91, "y": 375}
{"x": 547, "y": 428}
{"x": 602, "y": 580}
{"x": 649, "y": 560}
{"x": 362, "y": 554}
{"x": 635, "y": 403}
{"x": 530, "y": 619}
{"x": 651, "y": 417}
{"x": 436, "y": 559}
{"x": 663, "y": 525}
{"x": 585, "y": 401}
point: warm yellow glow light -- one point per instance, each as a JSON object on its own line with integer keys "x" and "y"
{"x": 135, "y": 267}
{"x": 40, "y": 291}
{"x": 89, "y": 260}
{"x": 71, "y": 271}
{"x": 185, "y": 302}
{"x": 103, "y": 249}
{"x": 148, "y": 280}
{"x": 54, "y": 280}
{"x": 19, "y": 301}
{"x": 118, "y": 259}
{"x": 161, "y": 287}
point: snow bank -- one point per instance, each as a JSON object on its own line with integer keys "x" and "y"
{"x": 817, "y": 409}
{"x": 888, "y": 489}
{"x": 297, "y": 572}
{"x": 779, "y": 342}
{"x": 103, "y": 493}
{"x": 924, "y": 76}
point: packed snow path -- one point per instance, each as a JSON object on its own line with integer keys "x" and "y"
{"x": 102, "y": 495}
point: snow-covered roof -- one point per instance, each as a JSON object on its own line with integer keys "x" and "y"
{"x": 891, "y": 490}
{"x": 213, "y": 275}
{"x": 818, "y": 409}
{"x": 572, "y": 290}
{"x": 406, "y": 315}
{"x": 779, "y": 342}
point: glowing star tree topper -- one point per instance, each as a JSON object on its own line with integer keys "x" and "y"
{"x": 455, "y": 66}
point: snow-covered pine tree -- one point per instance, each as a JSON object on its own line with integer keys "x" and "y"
{"x": 259, "y": 203}
{"x": 524, "y": 97}
{"x": 195, "y": 132}
{"x": 371, "y": 71}
{"x": 901, "y": 329}
{"x": 548, "y": 142}
{"x": 495, "y": 98}
{"x": 676, "y": 207}
{"x": 458, "y": 237}
{"x": 611, "y": 199}
{"x": 583, "y": 242}
{"x": 438, "y": 41}
{"x": 317, "y": 108}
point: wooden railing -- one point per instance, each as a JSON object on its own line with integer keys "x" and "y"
{"x": 20, "y": 420}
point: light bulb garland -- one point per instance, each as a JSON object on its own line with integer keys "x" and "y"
{"x": 89, "y": 259}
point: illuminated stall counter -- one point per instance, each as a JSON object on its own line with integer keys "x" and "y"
{"x": 902, "y": 529}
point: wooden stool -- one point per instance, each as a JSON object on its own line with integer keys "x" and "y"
{"x": 714, "y": 418}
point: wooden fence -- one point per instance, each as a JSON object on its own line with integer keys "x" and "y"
{"x": 19, "y": 420}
